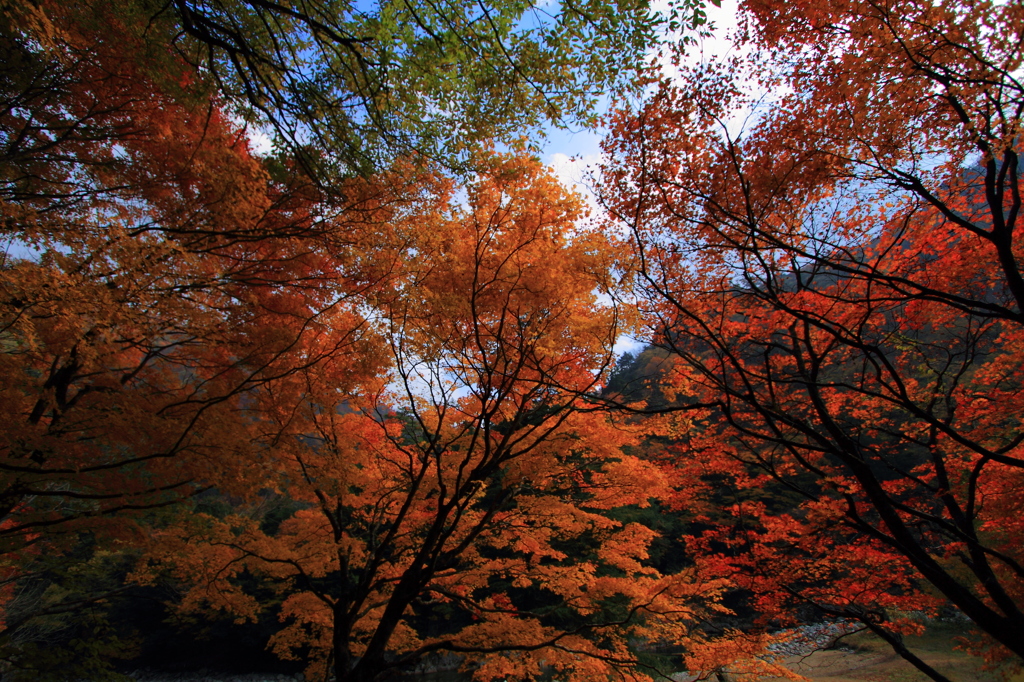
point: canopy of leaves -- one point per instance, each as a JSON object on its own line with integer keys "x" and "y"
{"x": 465, "y": 506}
{"x": 349, "y": 87}
{"x": 339, "y": 393}
{"x": 840, "y": 289}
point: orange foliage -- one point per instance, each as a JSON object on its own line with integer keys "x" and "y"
{"x": 841, "y": 289}
{"x": 165, "y": 275}
{"x": 460, "y": 502}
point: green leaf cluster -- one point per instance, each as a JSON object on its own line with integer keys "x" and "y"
{"x": 353, "y": 84}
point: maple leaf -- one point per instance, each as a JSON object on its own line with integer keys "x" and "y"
{"x": 840, "y": 288}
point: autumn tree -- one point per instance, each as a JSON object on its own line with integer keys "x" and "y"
{"x": 437, "y": 503}
{"x": 348, "y": 87}
{"x": 162, "y": 284}
{"x": 128, "y": 190}
{"x": 155, "y": 272}
{"x": 839, "y": 285}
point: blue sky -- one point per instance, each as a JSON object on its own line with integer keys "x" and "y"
{"x": 575, "y": 155}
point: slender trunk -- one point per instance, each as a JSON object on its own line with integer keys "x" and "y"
{"x": 371, "y": 665}
{"x": 339, "y": 642}
{"x": 1007, "y": 628}
{"x": 895, "y": 640}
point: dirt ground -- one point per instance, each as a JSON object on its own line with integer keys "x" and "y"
{"x": 864, "y": 659}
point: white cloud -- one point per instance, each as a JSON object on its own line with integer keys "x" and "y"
{"x": 578, "y": 172}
